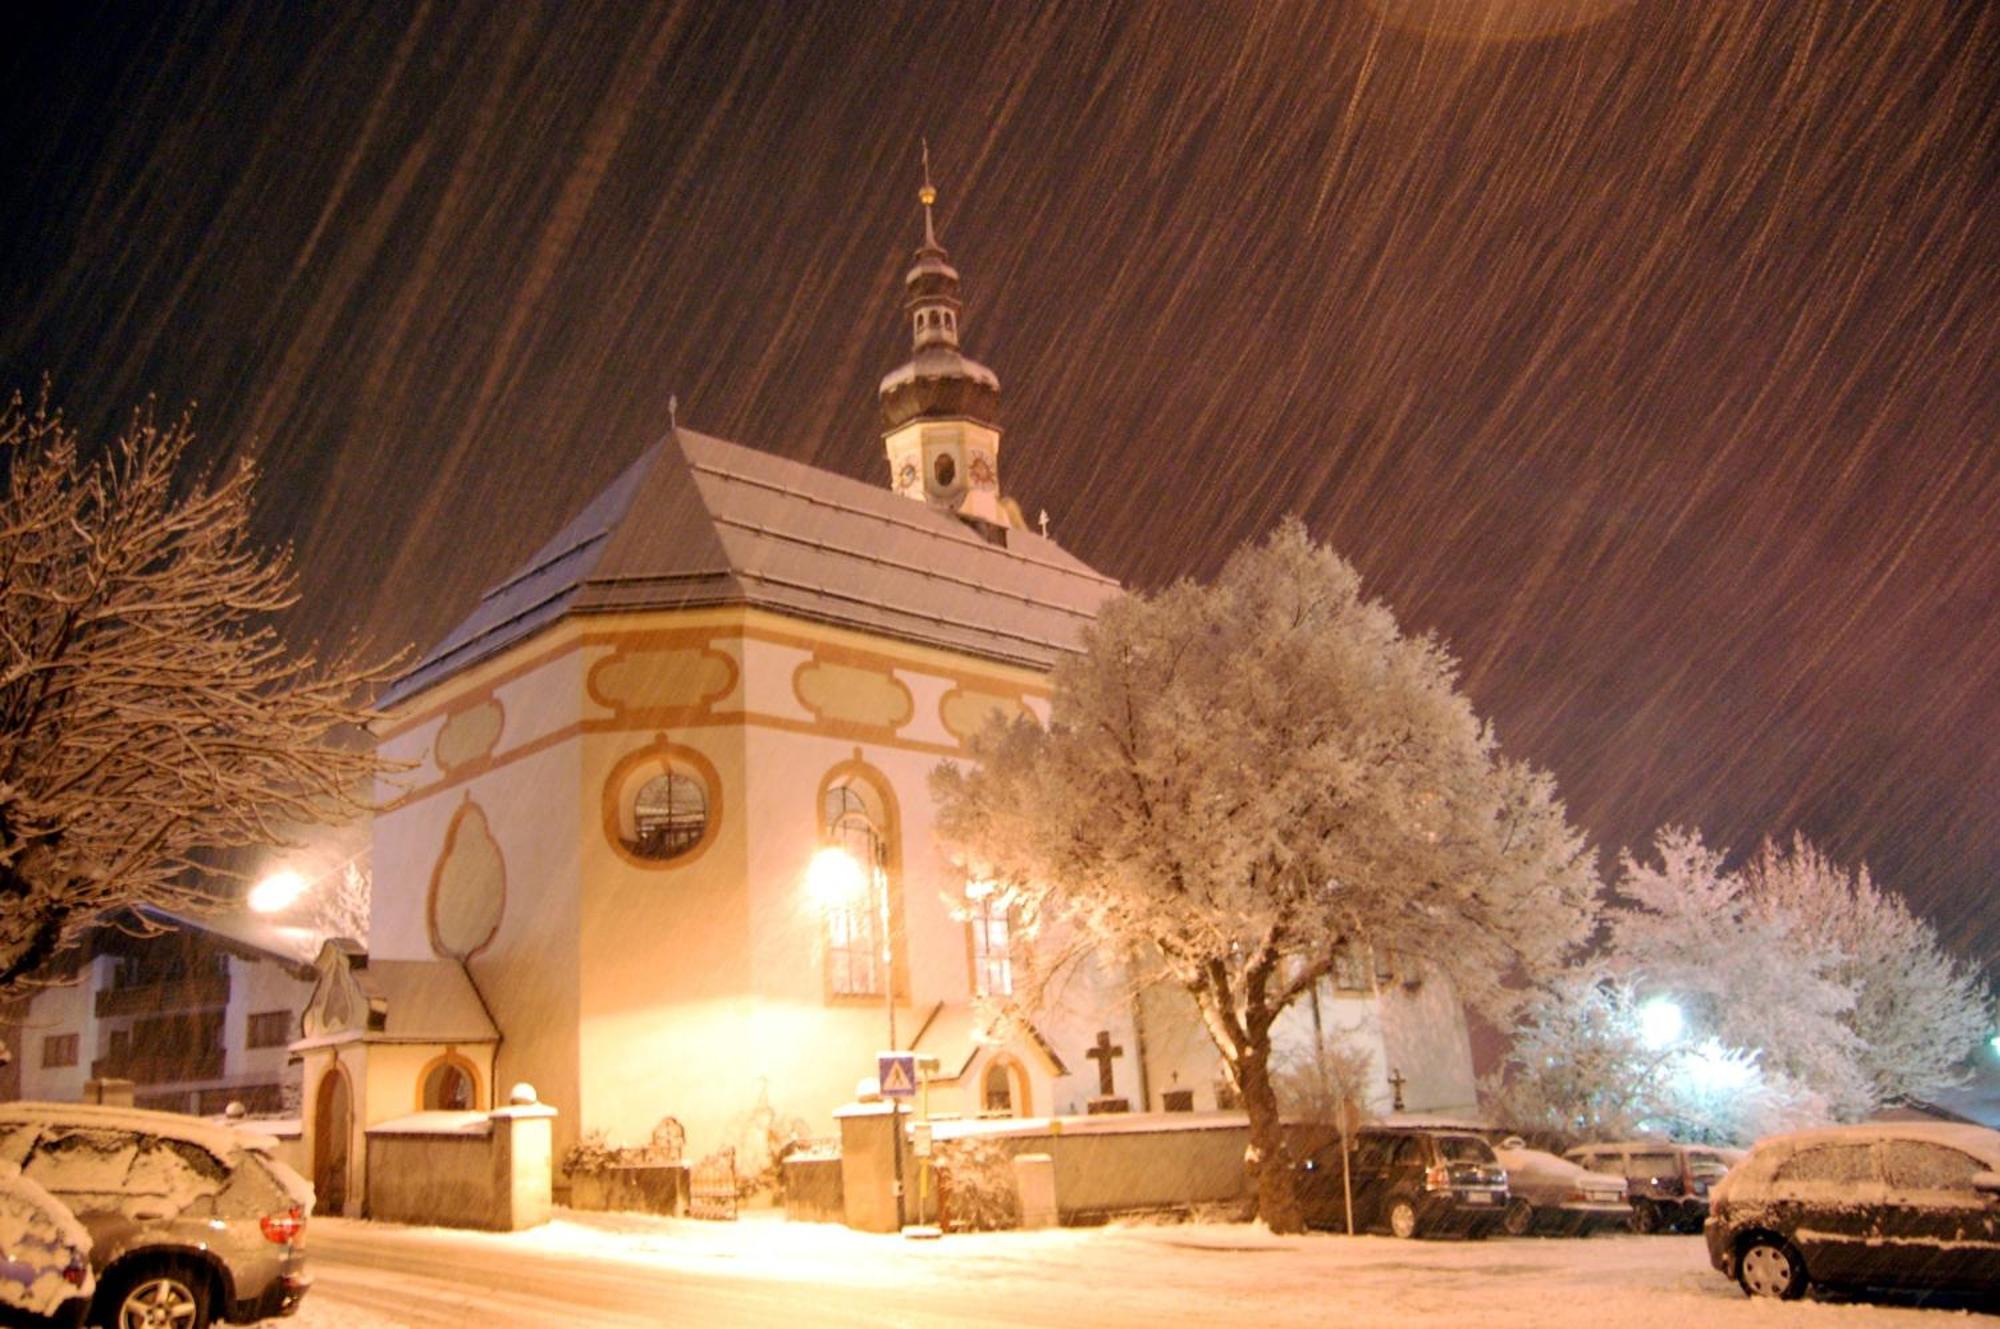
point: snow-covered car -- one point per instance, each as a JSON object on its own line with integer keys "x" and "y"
{"x": 1552, "y": 1195}
{"x": 1666, "y": 1183}
{"x": 187, "y": 1222}
{"x": 44, "y": 1253}
{"x": 1891, "y": 1205}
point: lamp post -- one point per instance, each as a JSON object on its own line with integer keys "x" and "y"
{"x": 837, "y": 879}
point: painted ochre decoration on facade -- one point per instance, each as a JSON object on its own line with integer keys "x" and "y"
{"x": 662, "y": 678}
{"x": 965, "y": 711}
{"x": 468, "y": 886}
{"x": 469, "y": 735}
{"x": 854, "y": 695}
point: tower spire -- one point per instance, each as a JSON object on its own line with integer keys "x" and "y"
{"x": 941, "y": 411}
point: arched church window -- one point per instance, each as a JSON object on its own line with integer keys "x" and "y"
{"x": 448, "y": 1087}
{"x": 669, "y": 815}
{"x": 945, "y": 469}
{"x": 854, "y": 927}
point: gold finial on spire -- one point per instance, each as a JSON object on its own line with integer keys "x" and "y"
{"x": 928, "y": 195}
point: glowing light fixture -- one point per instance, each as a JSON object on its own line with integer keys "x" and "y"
{"x": 835, "y": 879}
{"x": 1661, "y": 1023}
{"x": 276, "y": 892}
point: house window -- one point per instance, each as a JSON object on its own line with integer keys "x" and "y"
{"x": 992, "y": 949}
{"x": 269, "y": 1029}
{"x": 59, "y": 1050}
{"x": 449, "y": 1088}
{"x": 853, "y": 928}
{"x": 669, "y": 815}
{"x": 1350, "y": 967}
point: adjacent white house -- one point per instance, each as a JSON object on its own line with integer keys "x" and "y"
{"x": 605, "y": 873}
{"x": 197, "y": 1013}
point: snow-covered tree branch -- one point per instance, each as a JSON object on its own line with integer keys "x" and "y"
{"x": 1238, "y": 776}
{"x": 150, "y": 715}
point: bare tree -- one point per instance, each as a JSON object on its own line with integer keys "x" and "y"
{"x": 150, "y": 715}
{"x": 1237, "y": 776}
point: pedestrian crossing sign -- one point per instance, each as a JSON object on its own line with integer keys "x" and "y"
{"x": 896, "y": 1073}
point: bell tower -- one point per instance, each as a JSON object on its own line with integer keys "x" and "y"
{"x": 941, "y": 410}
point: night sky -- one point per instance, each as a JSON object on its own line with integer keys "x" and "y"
{"x": 1647, "y": 352}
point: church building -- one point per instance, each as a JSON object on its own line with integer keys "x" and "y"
{"x": 605, "y": 872}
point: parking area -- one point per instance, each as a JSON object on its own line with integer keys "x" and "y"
{"x": 615, "y": 1269}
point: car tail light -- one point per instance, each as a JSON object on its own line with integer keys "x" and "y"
{"x": 1438, "y": 1179}
{"x": 283, "y": 1228}
{"x": 73, "y": 1273}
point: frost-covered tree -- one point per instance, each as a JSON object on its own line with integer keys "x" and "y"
{"x": 150, "y": 715}
{"x": 1918, "y": 1012}
{"x": 1685, "y": 927}
{"x": 1581, "y": 1067}
{"x": 1578, "y": 1066}
{"x": 1236, "y": 776}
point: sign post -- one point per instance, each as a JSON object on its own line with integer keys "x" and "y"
{"x": 896, "y": 1080}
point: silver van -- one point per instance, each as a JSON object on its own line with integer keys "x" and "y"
{"x": 190, "y": 1223}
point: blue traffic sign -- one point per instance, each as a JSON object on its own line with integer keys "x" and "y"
{"x": 896, "y": 1073}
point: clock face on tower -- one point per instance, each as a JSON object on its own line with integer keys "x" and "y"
{"x": 906, "y": 478}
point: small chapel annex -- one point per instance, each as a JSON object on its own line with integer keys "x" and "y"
{"x": 597, "y": 876}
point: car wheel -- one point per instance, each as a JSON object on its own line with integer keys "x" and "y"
{"x": 1767, "y": 1267}
{"x": 1645, "y": 1217}
{"x": 157, "y": 1296}
{"x": 1520, "y": 1219}
{"x": 1403, "y": 1217}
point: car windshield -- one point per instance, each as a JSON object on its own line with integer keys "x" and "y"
{"x": 1464, "y": 1149}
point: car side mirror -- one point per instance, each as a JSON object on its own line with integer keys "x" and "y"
{"x": 1987, "y": 1184}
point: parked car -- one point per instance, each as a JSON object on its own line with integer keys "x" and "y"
{"x": 1414, "y": 1183}
{"x": 44, "y": 1255}
{"x": 1551, "y": 1195}
{"x": 1665, "y": 1183}
{"x": 188, "y": 1222}
{"x": 1902, "y": 1205}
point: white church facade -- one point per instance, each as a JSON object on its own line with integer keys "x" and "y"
{"x": 597, "y": 873}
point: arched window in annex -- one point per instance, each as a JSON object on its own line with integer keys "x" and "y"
{"x": 857, "y": 814}
{"x": 662, "y": 805}
{"x": 449, "y": 1082}
{"x": 1003, "y": 1088}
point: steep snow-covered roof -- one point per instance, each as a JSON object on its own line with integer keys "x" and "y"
{"x": 391, "y": 1001}
{"x": 166, "y": 1125}
{"x": 697, "y": 521}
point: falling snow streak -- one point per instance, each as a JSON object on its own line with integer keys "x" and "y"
{"x": 1645, "y": 351}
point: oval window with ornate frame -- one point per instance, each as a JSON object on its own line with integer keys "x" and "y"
{"x": 662, "y": 805}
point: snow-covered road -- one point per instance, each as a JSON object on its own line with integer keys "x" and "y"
{"x": 605, "y": 1270}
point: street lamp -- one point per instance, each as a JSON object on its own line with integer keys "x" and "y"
{"x": 1661, "y": 1023}
{"x": 838, "y": 881}
{"x": 277, "y": 892}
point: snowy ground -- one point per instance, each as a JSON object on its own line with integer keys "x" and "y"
{"x": 600, "y": 1270}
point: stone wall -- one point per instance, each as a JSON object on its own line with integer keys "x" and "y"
{"x": 490, "y": 1170}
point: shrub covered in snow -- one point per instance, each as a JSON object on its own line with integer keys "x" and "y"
{"x": 976, "y": 1183}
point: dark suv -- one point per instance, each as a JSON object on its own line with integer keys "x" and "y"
{"x": 188, "y": 1223}
{"x": 1415, "y": 1183}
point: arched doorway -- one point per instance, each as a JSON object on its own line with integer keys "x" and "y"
{"x": 333, "y": 1126}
